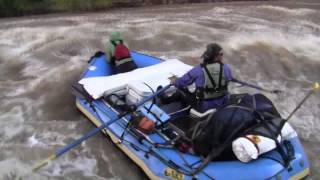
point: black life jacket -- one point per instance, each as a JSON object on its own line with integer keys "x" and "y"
{"x": 120, "y": 51}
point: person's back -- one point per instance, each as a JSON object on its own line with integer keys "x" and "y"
{"x": 118, "y": 54}
{"x": 211, "y": 79}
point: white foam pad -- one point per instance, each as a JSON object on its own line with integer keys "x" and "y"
{"x": 152, "y": 75}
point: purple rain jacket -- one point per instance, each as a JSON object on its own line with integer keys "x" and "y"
{"x": 196, "y": 75}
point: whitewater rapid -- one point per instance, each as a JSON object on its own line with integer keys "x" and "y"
{"x": 271, "y": 44}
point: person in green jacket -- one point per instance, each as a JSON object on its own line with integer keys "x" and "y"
{"x": 118, "y": 54}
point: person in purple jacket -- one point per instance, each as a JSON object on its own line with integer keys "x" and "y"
{"x": 211, "y": 79}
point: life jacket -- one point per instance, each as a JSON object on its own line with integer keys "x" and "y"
{"x": 120, "y": 51}
{"x": 216, "y": 84}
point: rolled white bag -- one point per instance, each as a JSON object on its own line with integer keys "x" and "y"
{"x": 251, "y": 146}
{"x": 287, "y": 132}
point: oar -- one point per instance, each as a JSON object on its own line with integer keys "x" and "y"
{"x": 256, "y": 87}
{"x": 68, "y": 147}
{"x": 315, "y": 87}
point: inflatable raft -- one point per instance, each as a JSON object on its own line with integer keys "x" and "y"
{"x": 154, "y": 152}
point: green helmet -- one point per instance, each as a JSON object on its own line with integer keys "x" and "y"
{"x": 115, "y": 36}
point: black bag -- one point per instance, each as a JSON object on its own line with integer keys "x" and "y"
{"x": 230, "y": 122}
{"x": 116, "y": 102}
{"x": 259, "y": 103}
{"x": 215, "y": 130}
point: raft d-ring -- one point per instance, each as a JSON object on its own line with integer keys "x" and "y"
{"x": 316, "y": 86}
{"x": 92, "y": 68}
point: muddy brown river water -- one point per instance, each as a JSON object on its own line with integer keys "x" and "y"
{"x": 271, "y": 44}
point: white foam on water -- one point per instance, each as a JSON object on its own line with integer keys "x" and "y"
{"x": 66, "y": 166}
{"x": 176, "y": 27}
{"x": 305, "y": 126}
{"x": 34, "y": 142}
{"x": 303, "y": 45}
{"x": 234, "y": 16}
{"x": 309, "y": 24}
{"x": 34, "y": 67}
{"x": 12, "y": 122}
{"x": 299, "y": 37}
{"x": 220, "y": 10}
{"x": 297, "y": 11}
{"x": 56, "y": 138}
{"x": 16, "y": 91}
{"x": 110, "y": 168}
{"x": 25, "y": 40}
{"x": 13, "y": 168}
{"x": 12, "y": 130}
{"x": 142, "y": 20}
{"x": 304, "y": 120}
{"x": 16, "y": 114}
{"x": 39, "y": 69}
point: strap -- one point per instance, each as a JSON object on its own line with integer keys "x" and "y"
{"x": 254, "y": 103}
{"x": 283, "y": 154}
{"x": 216, "y": 152}
{"x": 240, "y": 107}
{"x": 280, "y": 127}
{"x": 254, "y": 143}
{"x": 216, "y": 134}
{"x": 270, "y": 115}
{"x": 155, "y": 115}
{"x": 200, "y": 124}
{"x": 285, "y": 157}
{"x": 115, "y": 44}
{"x": 220, "y": 74}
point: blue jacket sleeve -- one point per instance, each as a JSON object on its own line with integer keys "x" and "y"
{"x": 194, "y": 75}
{"x": 227, "y": 72}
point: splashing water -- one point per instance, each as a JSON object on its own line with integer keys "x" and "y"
{"x": 274, "y": 45}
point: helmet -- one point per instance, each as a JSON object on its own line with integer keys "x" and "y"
{"x": 115, "y": 36}
{"x": 213, "y": 49}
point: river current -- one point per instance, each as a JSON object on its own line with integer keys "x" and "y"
{"x": 271, "y": 44}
